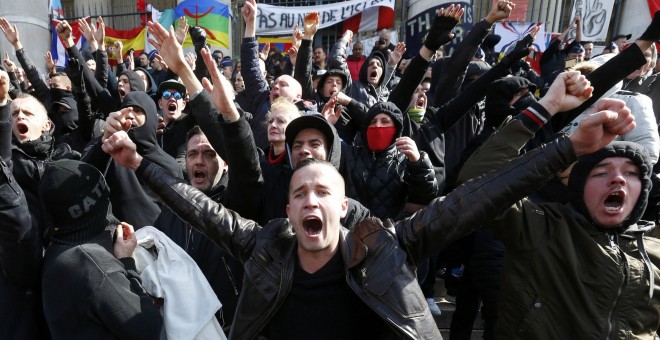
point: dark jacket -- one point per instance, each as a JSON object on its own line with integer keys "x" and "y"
{"x": 224, "y": 272}
{"x": 29, "y": 159}
{"x": 256, "y": 89}
{"x": 384, "y": 181}
{"x": 90, "y": 294}
{"x": 132, "y": 200}
{"x": 21, "y": 315}
{"x": 553, "y": 60}
{"x": 361, "y": 90}
{"x": 379, "y": 256}
{"x": 600, "y": 284}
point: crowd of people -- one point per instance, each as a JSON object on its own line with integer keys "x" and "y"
{"x": 320, "y": 194}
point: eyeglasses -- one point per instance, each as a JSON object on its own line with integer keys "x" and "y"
{"x": 167, "y": 95}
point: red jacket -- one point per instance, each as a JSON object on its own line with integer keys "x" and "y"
{"x": 354, "y": 65}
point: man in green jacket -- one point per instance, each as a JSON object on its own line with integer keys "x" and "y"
{"x": 582, "y": 270}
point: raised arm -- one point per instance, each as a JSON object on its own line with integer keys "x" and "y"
{"x": 473, "y": 203}
{"x": 20, "y": 253}
{"x": 569, "y": 90}
{"x": 255, "y": 83}
{"x": 454, "y": 70}
{"x": 40, "y": 87}
{"x": 303, "y": 69}
{"x": 442, "y": 27}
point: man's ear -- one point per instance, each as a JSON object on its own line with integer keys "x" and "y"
{"x": 47, "y": 125}
{"x": 344, "y": 207}
{"x": 68, "y": 88}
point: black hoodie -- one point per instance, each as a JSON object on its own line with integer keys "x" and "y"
{"x": 152, "y": 86}
{"x": 363, "y": 91}
{"x": 384, "y": 181}
{"x": 132, "y": 201}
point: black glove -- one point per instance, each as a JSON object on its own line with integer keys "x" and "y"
{"x": 653, "y": 31}
{"x": 520, "y": 51}
{"x": 439, "y": 33}
{"x": 74, "y": 71}
{"x": 198, "y": 37}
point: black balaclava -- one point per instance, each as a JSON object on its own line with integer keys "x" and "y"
{"x": 143, "y": 136}
{"x": 500, "y": 94}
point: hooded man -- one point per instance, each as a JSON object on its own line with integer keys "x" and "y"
{"x": 604, "y": 283}
{"x": 132, "y": 202}
{"x": 388, "y": 171}
{"x": 581, "y": 269}
{"x": 87, "y": 292}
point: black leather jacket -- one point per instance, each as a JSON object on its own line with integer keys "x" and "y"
{"x": 380, "y": 257}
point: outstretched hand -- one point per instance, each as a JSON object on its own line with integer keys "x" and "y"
{"x": 331, "y": 111}
{"x": 11, "y": 33}
{"x": 599, "y": 129}
{"x": 99, "y": 35}
{"x": 50, "y": 63}
{"x": 122, "y": 149}
{"x": 311, "y": 25}
{"x": 221, "y": 90}
{"x": 443, "y": 24}
{"x": 394, "y": 57}
{"x": 168, "y": 47}
{"x": 182, "y": 29}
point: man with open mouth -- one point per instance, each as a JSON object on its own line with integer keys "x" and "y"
{"x": 307, "y": 274}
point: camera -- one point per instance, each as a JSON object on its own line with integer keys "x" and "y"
{"x": 381, "y": 42}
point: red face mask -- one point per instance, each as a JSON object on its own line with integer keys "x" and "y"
{"x": 380, "y": 138}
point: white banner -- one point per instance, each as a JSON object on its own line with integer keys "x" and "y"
{"x": 596, "y": 16}
{"x": 280, "y": 20}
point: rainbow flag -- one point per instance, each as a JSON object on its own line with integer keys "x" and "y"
{"x": 211, "y": 15}
{"x": 134, "y": 38}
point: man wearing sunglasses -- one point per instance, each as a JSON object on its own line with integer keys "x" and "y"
{"x": 173, "y": 124}
{"x": 172, "y": 100}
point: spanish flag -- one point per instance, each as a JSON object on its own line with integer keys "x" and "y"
{"x": 211, "y": 15}
{"x": 133, "y": 38}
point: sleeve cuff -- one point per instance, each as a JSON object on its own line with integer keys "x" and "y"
{"x": 535, "y": 116}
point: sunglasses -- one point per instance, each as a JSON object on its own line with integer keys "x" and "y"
{"x": 167, "y": 95}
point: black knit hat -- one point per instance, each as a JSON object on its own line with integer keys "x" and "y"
{"x": 333, "y": 72}
{"x": 633, "y": 151}
{"x": 77, "y": 198}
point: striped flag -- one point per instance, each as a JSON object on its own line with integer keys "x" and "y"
{"x": 134, "y": 38}
{"x": 372, "y": 19}
{"x": 57, "y": 48}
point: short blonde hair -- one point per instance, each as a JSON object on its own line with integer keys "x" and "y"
{"x": 283, "y": 105}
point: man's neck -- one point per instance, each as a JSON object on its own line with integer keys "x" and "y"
{"x": 311, "y": 262}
